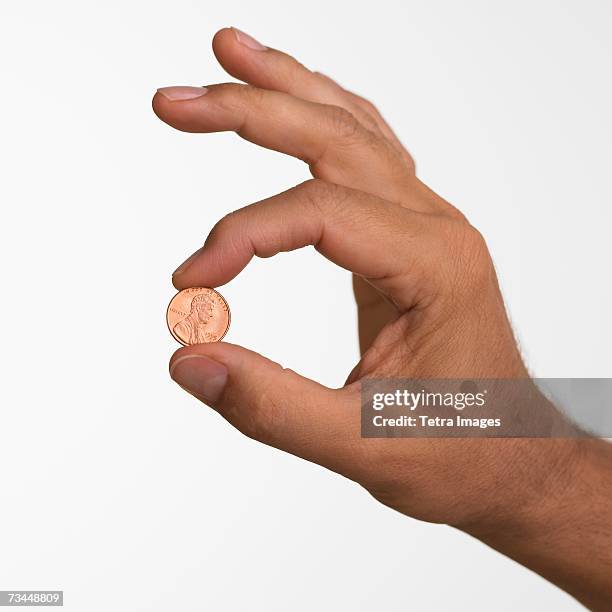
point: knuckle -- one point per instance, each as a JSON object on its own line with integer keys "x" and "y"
{"x": 322, "y": 196}
{"x": 458, "y": 264}
{"x": 253, "y": 95}
{"x": 294, "y": 75}
{"x": 456, "y": 214}
{"x": 227, "y": 223}
{"x": 229, "y": 230}
{"x": 362, "y": 131}
{"x": 343, "y": 123}
{"x": 265, "y": 419}
{"x": 471, "y": 254}
{"x": 475, "y": 246}
{"x": 235, "y": 94}
{"x": 242, "y": 99}
{"x": 368, "y": 106}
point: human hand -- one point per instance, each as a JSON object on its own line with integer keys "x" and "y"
{"x": 429, "y": 303}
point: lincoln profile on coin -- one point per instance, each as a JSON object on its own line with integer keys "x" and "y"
{"x": 192, "y": 329}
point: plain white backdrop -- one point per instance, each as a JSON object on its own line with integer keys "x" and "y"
{"x": 125, "y": 492}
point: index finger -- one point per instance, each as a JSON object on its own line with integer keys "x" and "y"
{"x": 393, "y": 247}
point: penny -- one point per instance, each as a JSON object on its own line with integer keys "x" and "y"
{"x": 198, "y": 315}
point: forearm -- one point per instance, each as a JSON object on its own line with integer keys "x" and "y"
{"x": 565, "y": 535}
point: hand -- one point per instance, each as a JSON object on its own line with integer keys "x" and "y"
{"x": 428, "y": 299}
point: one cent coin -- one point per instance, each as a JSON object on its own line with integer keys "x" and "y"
{"x": 198, "y": 315}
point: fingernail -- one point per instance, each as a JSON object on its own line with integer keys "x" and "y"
{"x": 187, "y": 262}
{"x": 181, "y": 92}
{"x": 200, "y": 375}
{"x": 248, "y": 41}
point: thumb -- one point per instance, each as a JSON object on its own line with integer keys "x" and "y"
{"x": 272, "y": 404}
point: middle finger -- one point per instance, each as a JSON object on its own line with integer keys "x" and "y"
{"x": 337, "y": 147}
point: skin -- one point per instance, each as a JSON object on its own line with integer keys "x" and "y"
{"x": 429, "y": 306}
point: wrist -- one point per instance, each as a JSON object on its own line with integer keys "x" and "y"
{"x": 560, "y": 525}
{"x": 539, "y": 473}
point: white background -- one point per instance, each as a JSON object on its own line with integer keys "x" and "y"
{"x": 122, "y": 490}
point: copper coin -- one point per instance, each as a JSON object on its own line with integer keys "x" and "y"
{"x": 198, "y": 315}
